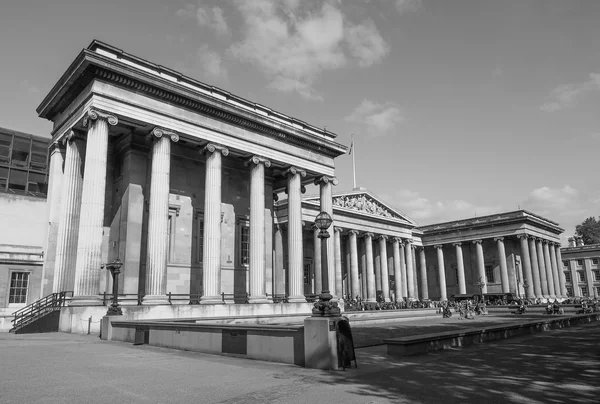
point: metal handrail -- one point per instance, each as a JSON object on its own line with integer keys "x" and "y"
{"x": 39, "y": 308}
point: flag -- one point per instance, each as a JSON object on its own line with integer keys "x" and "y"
{"x": 351, "y": 147}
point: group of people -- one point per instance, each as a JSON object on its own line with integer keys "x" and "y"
{"x": 358, "y": 304}
{"x": 466, "y": 309}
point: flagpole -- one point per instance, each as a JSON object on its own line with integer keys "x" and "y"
{"x": 353, "y": 161}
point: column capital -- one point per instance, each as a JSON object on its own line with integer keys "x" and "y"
{"x": 213, "y": 147}
{"x": 325, "y": 179}
{"x": 353, "y": 231}
{"x": 95, "y": 114}
{"x": 457, "y": 244}
{"x": 477, "y": 241}
{"x": 367, "y": 234}
{"x": 158, "y": 132}
{"x": 438, "y": 246}
{"x": 522, "y": 236}
{"x": 71, "y": 136}
{"x": 544, "y": 241}
{"x": 337, "y": 229}
{"x": 382, "y": 237}
{"x": 397, "y": 240}
{"x": 256, "y": 160}
{"x": 498, "y": 238}
{"x": 293, "y": 171}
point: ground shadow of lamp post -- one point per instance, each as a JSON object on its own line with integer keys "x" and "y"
{"x": 324, "y": 307}
{"x": 525, "y": 286}
{"x": 481, "y": 284}
{"x": 115, "y": 269}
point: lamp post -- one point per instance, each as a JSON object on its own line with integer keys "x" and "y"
{"x": 115, "y": 269}
{"x": 481, "y": 284}
{"x": 525, "y": 286}
{"x": 324, "y": 307}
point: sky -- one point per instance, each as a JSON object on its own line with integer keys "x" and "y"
{"x": 459, "y": 108}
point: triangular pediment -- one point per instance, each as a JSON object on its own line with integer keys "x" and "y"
{"x": 364, "y": 202}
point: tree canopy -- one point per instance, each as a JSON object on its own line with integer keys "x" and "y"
{"x": 589, "y": 230}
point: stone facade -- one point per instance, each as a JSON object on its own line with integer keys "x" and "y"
{"x": 580, "y": 269}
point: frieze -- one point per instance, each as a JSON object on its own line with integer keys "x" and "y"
{"x": 362, "y": 203}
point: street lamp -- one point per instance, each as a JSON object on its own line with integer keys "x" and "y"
{"x": 481, "y": 284}
{"x": 525, "y": 286}
{"x": 115, "y": 269}
{"x": 324, "y": 307}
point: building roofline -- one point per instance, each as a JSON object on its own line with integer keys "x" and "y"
{"x": 24, "y": 134}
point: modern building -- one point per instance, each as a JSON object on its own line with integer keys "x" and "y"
{"x": 581, "y": 269}
{"x": 23, "y": 217}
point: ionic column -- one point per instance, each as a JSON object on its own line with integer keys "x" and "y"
{"x": 68, "y": 222}
{"x": 337, "y": 243}
{"x": 385, "y": 277}
{"x": 318, "y": 282}
{"x": 415, "y": 277}
{"x": 211, "y": 275}
{"x": 442, "y": 272}
{"x": 423, "y": 269}
{"x": 377, "y": 265}
{"x": 535, "y": 269}
{"x": 542, "y": 267}
{"x": 278, "y": 266}
{"x": 526, "y": 262}
{"x": 503, "y": 267}
{"x": 480, "y": 263}
{"x": 257, "y": 229}
{"x": 555, "y": 254}
{"x": 410, "y": 271}
{"x": 326, "y": 184}
{"x": 403, "y": 270}
{"x": 371, "y": 292}
{"x": 158, "y": 217}
{"x": 91, "y": 223}
{"x": 462, "y": 284}
{"x": 295, "y": 251}
{"x": 549, "y": 272}
{"x": 354, "y": 264}
{"x": 397, "y": 271}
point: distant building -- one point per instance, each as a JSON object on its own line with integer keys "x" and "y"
{"x": 580, "y": 264}
{"x": 23, "y": 217}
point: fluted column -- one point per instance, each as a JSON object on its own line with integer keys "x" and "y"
{"x": 526, "y": 262}
{"x": 354, "y": 264}
{"x": 91, "y": 223}
{"x": 423, "y": 269}
{"x": 535, "y": 269}
{"x": 68, "y": 222}
{"x": 555, "y": 270}
{"x": 317, "y": 261}
{"x": 257, "y": 229}
{"x": 441, "y": 272}
{"x": 326, "y": 184}
{"x": 337, "y": 243}
{"x": 480, "y": 263}
{"x": 542, "y": 267}
{"x": 295, "y": 252}
{"x": 211, "y": 275}
{"x": 403, "y": 270}
{"x": 561, "y": 273}
{"x": 371, "y": 292}
{"x": 397, "y": 271}
{"x": 549, "y": 272}
{"x": 410, "y": 271}
{"x": 385, "y": 277}
{"x": 503, "y": 266}
{"x": 158, "y": 217}
{"x": 460, "y": 265}
{"x": 377, "y": 265}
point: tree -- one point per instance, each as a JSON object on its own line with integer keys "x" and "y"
{"x": 589, "y": 230}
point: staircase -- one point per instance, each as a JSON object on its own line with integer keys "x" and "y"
{"x": 41, "y": 315}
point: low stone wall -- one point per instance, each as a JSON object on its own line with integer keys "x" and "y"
{"x": 6, "y": 323}
{"x": 412, "y": 345}
{"x": 283, "y": 344}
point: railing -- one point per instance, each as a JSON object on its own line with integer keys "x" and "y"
{"x": 172, "y": 298}
{"x": 122, "y": 297}
{"x": 235, "y": 297}
{"x": 278, "y": 298}
{"x": 311, "y": 297}
{"x": 191, "y": 298}
{"x": 39, "y": 309}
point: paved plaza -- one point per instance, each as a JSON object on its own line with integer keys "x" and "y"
{"x": 561, "y": 366}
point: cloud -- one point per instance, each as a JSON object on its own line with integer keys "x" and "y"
{"x": 293, "y": 43}
{"x": 205, "y": 17}
{"x": 567, "y": 95}
{"x": 406, "y": 6}
{"x": 212, "y": 64}
{"x": 545, "y": 200}
{"x": 30, "y": 88}
{"x": 426, "y": 211}
{"x": 376, "y": 119}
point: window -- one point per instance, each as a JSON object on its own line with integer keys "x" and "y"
{"x": 569, "y": 291}
{"x": 568, "y": 277}
{"x": 17, "y": 180}
{"x": 5, "y": 142}
{"x": 594, "y": 261}
{"x": 23, "y": 164}
{"x": 581, "y": 276}
{"x": 243, "y": 242}
{"x": 566, "y": 264}
{"x": 19, "y": 281}
{"x": 597, "y": 276}
{"x": 579, "y": 263}
{"x": 597, "y": 290}
{"x": 20, "y": 152}
{"x": 584, "y": 291}
{"x": 199, "y": 236}
{"x": 307, "y": 267}
{"x": 489, "y": 273}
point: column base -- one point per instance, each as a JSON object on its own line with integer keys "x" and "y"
{"x": 86, "y": 301}
{"x": 258, "y": 299}
{"x": 218, "y": 299}
{"x": 371, "y": 300}
{"x": 297, "y": 299}
{"x": 153, "y": 300}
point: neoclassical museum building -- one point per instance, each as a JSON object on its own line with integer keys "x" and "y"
{"x": 200, "y": 193}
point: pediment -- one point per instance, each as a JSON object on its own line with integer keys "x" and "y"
{"x": 364, "y": 202}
